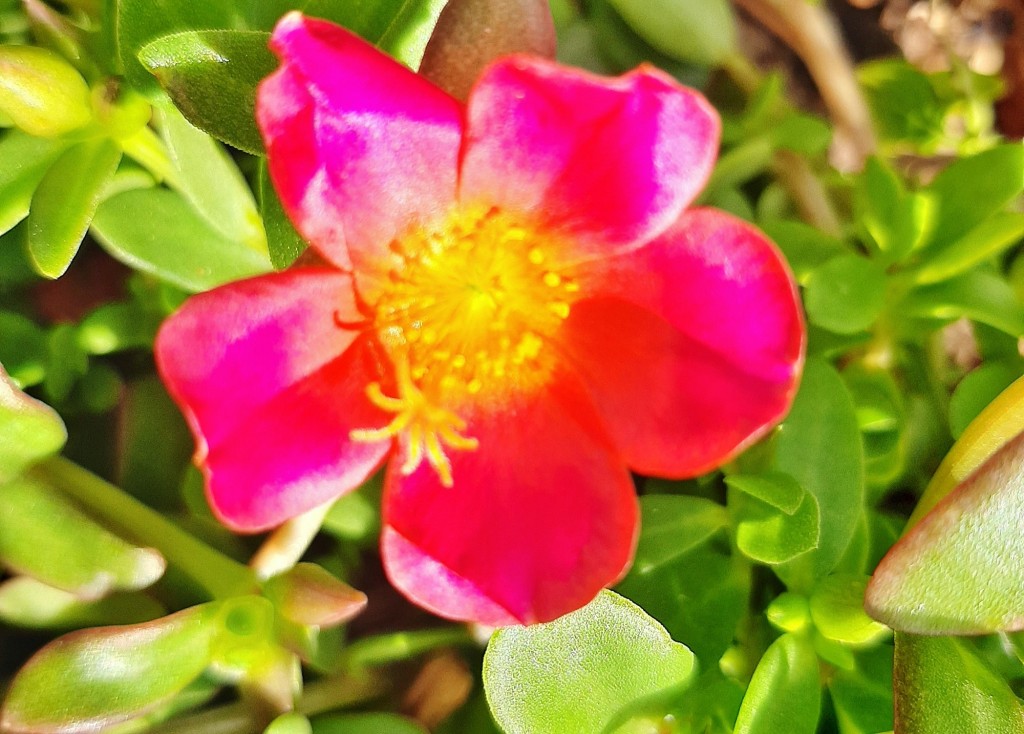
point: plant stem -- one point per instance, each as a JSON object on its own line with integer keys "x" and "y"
{"x": 382, "y": 649}
{"x": 324, "y": 695}
{"x": 286, "y": 545}
{"x": 221, "y": 576}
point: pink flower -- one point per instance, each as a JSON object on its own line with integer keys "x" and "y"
{"x": 519, "y": 309}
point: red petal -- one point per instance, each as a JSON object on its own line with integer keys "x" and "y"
{"x": 359, "y": 147}
{"x": 541, "y": 517}
{"x": 271, "y": 385}
{"x": 693, "y": 347}
{"x": 614, "y": 161}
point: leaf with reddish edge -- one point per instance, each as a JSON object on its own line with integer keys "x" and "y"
{"x": 30, "y": 430}
{"x": 95, "y": 678}
{"x": 958, "y": 571}
{"x": 307, "y": 594}
{"x": 941, "y": 687}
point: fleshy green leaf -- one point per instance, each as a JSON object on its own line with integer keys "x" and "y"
{"x": 99, "y": 677}
{"x": 578, "y": 673}
{"x": 903, "y": 102}
{"x": 784, "y": 695}
{"x": 837, "y": 608}
{"x": 211, "y": 182}
{"x": 698, "y": 31}
{"x": 958, "y": 571}
{"x": 50, "y": 540}
{"x": 307, "y": 594}
{"x": 29, "y": 430}
{"x": 895, "y": 221}
{"x": 805, "y": 247}
{"x": 976, "y": 391}
{"x": 970, "y": 190}
{"x": 137, "y": 22}
{"x": 941, "y": 687}
{"x": 65, "y": 201}
{"x": 846, "y": 294}
{"x": 211, "y": 76}
{"x": 978, "y": 295}
{"x": 862, "y": 697}
{"x": 172, "y": 241}
{"x": 283, "y": 242}
{"x": 409, "y": 29}
{"x": 820, "y": 446}
{"x": 779, "y": 490}
{"x": 376, "y": 723}
{"x": 768, "y": 535}
{"x": 290, "y": 723}
{"x": 27, "y": 602}
{"x": 26, "y": 160}
{"x": 987, "y": 239}
{"x": 671, "y": 525}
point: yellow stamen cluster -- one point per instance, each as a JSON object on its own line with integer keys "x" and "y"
{"x": 466, "y": 317}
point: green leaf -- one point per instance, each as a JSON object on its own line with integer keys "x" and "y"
{"x": 804, "y": 134}
{"x": 769, "y": 535}
{"x": 409, "y": 29}
{"x": 50, "y": 540}
{"x": 26, "y": 160}
{"x": 115, "y": 327}
{"x": 290, "y": 723}
{"x": 29, "y": 430}
{"x": 779, "y": 490}
{"x": 820, "y": 446}
{"x": 172, "y": 241}
{"x": 96, "y": 678}
{"x": 987, "y": 239}
{"x": 784, "y": 694}
{"x": 284, "y": 243}
{"x": 895, "y": 221}
{"x": 211, "y": 77}
{"x": 805, "y": 247}
{"x": 957, "y": 571}
{"x": 307, "y": 594}
{"x": 837, "y": 608}
{"x": 377, "y": 723}
{"x": 846, "y": 294}
{"x": 698, "y": 31}
{"x": 903, "y": 102}
{"x": 67, "y": 363}
{"x": 970, "y": 190}
{"x": 66, "y": 200}
{"x": 671, "y": 525}
{"x": 941, "y": 687}
{"x": 137, "y": 22}
{"x": 211, "y": 182}
{"x": 976, "y": 391}
{"x": 862, "y": 697}
{"x": 578, "y": 673}
{"x": 26, "y": 602}
{"x": 978, "y": 295}
{"x": 22, "y": 349}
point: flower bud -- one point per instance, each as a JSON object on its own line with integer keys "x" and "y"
{"x": 40, "y": 92}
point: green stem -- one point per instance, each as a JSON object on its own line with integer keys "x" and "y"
{"x": 328, "y": 694}
{"x": 383, "y": 649}
{"x": 221, "y": 576}
{"x": 146, "y": 149}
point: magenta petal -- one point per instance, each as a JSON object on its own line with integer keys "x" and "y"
{"x": 614, "y": 161}
{"x": 693, "y": 349}
{"x": 271, "y": 387}
{"x": 359, "y": 147}
{"x": 541, "y": 517}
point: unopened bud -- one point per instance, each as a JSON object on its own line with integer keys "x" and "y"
{"x": 42, "y": 93}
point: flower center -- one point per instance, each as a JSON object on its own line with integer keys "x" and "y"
{"x": 467, "y": 317}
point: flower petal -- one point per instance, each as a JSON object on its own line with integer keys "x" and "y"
{"x": 693, "y": 346}
{"x": 541, "y": 517}
{"x": 271, "y": 385}
{"x": 359, "y": 147}
{"x": 613, "y": 161}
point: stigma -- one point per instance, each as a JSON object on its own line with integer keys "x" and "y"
{"x": 467, "y": 317}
